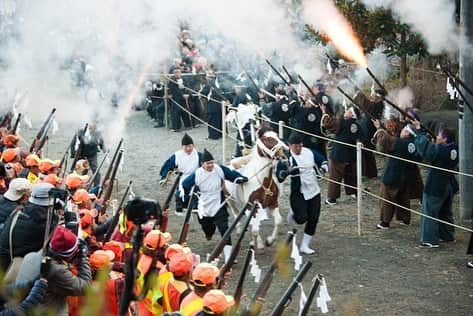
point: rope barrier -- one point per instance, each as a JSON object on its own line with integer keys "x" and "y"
{"x": 360, "y": 189}
{"x": 351, "y": 145}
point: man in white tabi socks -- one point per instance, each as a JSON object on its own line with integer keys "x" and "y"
{"x": 305, "y": 190}
{"x": 209, "y": 180}
{"x": 185, "y": 160}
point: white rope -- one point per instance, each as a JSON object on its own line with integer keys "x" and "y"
{"x": 362, "y": 190}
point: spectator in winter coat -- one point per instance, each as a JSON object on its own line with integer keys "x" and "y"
{"x": 17, "y": 194}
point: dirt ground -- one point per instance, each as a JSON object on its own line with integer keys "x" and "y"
{"x": 378, "y": 273}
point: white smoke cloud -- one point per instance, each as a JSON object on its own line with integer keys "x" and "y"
{"x": 117, "y": 38}
{"x": 433, "y": 19}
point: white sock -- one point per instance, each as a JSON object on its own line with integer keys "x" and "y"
{"x": 305, "y": 245}
{"x": 227, "y": 250}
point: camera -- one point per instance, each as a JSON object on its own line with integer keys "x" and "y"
{"x": 59, "y": 194}
{"x": 140, "y": 210}
{"x": 71, "y": 222}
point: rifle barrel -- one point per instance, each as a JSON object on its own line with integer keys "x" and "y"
{"x": 311, "y": 296}
{"x": 278, "y": 73}
{"x": 286, "y": 297}
{"x": 395, "y": 106}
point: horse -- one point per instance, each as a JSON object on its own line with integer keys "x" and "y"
{"x": 262, "y": 187}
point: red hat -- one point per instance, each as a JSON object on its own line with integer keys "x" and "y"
{"x": 116, "y": 247}
{"x": 204, "y": 274}
{"x": 101, "y": 258}
{"x": 180, "y": 264}
{"x": 63, "y": 242}
{"x": 215, "y": 301}
{"x": 9, "y": 155}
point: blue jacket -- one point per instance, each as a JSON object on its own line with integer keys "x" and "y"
{"x": 34, "y": 297}
{"x": 440, "y": 155}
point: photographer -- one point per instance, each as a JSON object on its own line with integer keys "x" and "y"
{"x": 65, "y": 249}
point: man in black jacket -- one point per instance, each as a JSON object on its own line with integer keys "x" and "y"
{"x": 93, "y": 142}
{"x": 29, "y": 226}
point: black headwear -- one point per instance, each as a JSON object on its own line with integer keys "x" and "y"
{"x": 186, "y": 140}
{"x": 295, "y": 138}
{"x": 206, "y": 156}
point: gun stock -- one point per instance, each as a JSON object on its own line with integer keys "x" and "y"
{"x": 108, "y": 192}
{"x": 235, "y": 250}
{"x": 185, "y": 226}
{"x": 257, "y": 302}
{"x": 287, "y": 296}
{"x": 116, "y": 216}
{"x": 109, "y": 169}
{"x": 239, "y": 289}
{"x": 219, "y": 247}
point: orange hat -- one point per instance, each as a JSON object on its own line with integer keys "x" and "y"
{"x": 116, "y": 247}
{"x": 10, "y": 140}
{"x": 73, "y": 181}
{"x": 82, "y": 196}
{"x": 32, "y": 160}
{"x": 46, "y": 165}
{"x": 84, "y": 211}
{"x": 217, "y": 302}
{"x": 173, "y": 250}
{"x": 155, "y": 239}
{"x": 53, "y": 179}
{"x": 180, "y": 264}
{"x": 101, "y": 258}
{"x": 204, "y": 274}
{"x": 9, "y": 155}
{"x": 86, "y": 221}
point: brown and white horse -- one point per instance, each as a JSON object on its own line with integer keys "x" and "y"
{"x": 262, "y": 187}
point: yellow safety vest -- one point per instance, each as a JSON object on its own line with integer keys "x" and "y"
{"x": 193, "y": 307}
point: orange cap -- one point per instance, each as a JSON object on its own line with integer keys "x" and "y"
{"x": 82, "y": 196}
{"x": 10, "y": 140}
{"x": 217, "y": 302}
{"x": 116, "y": 247}
{"x": 32, "y": 160}
{"x": 9, "y": 155}
{"x": 180, "y": 264}
{"x": 155, "y": 239}
{"x": 204, "y": 274}
{"x": 46, "y": 165}
{"x": 73, "y": 181}
{"x": 86, "y": 221}
{"x": 101, "y": 258}
{"x": 173, "y": 250}
{"x": 53, "y": 179}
